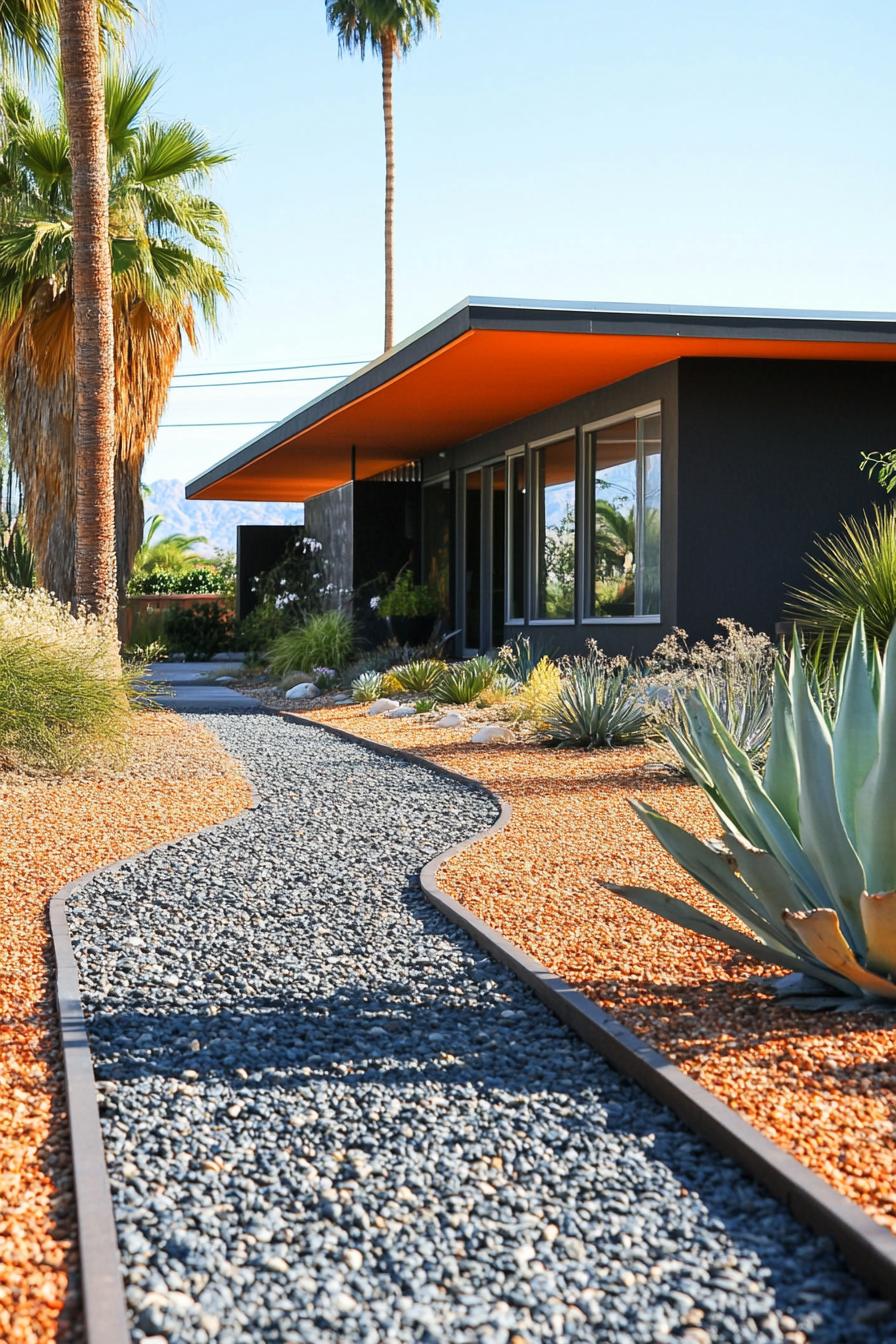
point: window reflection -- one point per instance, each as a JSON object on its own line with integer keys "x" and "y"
{"x": 555, "y": 477}
{"x": 625, "y": 518}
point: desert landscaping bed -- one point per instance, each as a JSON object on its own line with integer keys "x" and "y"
{"x": 823, "y": 1086}
{"x": 177, "y": 778}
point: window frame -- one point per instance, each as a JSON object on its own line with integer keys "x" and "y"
{"x": 533, "y": 596}
{"x": 633, "y": 413}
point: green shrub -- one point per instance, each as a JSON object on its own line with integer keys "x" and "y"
{"x": 367, "y": 687}
{"x": 597, "y": 705}
{"x": 851, "y": 571}
{"x": 425, "y": 705}
{"x": 423, "y": 674}
{"x": 327, "y": 639}
{"x": 807, "y": 860}
{"x": 406, "y": 598}
{"x": 196, "y": 579}
{"x": 462, "y": 683}
{"x": 199, "y": 632}
{"x": 256, "y": 632}
{"x": 63, "y": 694}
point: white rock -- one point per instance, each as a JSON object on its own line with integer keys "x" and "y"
{"x": 402, "y": 712}
{"x": 450, "y": 720}
{"x": 382, "y": 706}
{"x": 306, "y": 690}
{"x": 353, "y": 1258}
{"x": 223, "y": 681}
{"x": 492, "y": 732}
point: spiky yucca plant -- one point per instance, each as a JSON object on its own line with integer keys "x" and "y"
{"x": 808, "y": 859}
{"x": 367, "y": 687}
{"x": 851, "y": 570}
{"x": 595, "y": 706}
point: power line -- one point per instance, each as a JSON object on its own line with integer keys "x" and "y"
{"x": 274, "y": 368}
{"x": 258, "y": 382}
{"x": 216, "y": 424}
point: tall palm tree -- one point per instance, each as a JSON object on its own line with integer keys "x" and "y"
{"x": 167, "y": 244}
{"x": 390, "y": 28}
{"x": 28, "y": 29}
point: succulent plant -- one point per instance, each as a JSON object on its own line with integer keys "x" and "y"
{"x": 807, "y": 861}
{"x": 594, "y": 706}
{"x": 367, "y": 687}
{"x": 463, "y": 682}
{"x": 423, "y": 674}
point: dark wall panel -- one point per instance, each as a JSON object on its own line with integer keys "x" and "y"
{"x": 768, "y": 457}
{"x": 329, "y": 520}
{"x": 258, "y": 548}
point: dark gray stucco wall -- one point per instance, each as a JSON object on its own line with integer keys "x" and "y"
{"x": 768, "y": 457}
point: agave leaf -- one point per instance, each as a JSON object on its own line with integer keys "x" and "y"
{"x": 712, "y": 871}
{"x": 686, "y": 917}
{"x": 821, "y": 932}
{"x": 781, "y": 780}
{"x": 876, "y": 801}
{"x": 879, "y": 918}
{"x": 855, "y": 727}
{"x": 822, "y": 833}
{"x": 763, "y": 873}
{"x": 756, "y": 817}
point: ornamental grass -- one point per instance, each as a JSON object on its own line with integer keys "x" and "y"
{"x": 64, "y": 696}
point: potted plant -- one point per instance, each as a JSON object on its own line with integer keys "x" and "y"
{"x": 410, "y": 609}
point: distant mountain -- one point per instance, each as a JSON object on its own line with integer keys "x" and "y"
{"x": 212, "y": 518}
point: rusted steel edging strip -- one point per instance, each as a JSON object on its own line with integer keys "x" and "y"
{"x": 102, "y": 1289}
{"x": 866, "y": 1246}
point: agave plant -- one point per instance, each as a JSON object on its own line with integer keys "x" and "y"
{"x": 463, "y": 682}
{"x": 595, "y": 706}
{"x": 807, "y": 863}
{"x": 367, "y": 687}
{"x": 423, "y": 674}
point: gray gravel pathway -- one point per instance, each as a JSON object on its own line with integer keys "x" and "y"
{"x": 330, "y": 1117}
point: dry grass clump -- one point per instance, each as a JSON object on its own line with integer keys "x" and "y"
{"x": 64, "y": 697}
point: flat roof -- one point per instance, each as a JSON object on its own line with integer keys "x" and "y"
{"x": 487, "y": 362}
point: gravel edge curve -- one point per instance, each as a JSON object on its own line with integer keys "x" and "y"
{"x": 868, "y": 1248}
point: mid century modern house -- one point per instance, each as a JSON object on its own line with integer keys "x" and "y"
{"x": 588, "y": 470}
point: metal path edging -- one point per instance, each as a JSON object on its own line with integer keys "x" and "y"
{"x": 867, "y": 1247}
{"x": 102, "y": 1290}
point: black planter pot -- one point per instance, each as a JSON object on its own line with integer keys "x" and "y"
{"x": 414, "y": 630}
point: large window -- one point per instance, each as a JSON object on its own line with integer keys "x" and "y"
{"x": 624, "y": 532}
{"x": 437, "y": 541}
{"x": 516, "y": 533}
{"x": 555, "y": 550}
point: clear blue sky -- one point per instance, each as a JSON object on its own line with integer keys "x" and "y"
{"x": 706, "y": 151}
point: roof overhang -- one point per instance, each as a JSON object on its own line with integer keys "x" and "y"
{"x": 489, "y": 362}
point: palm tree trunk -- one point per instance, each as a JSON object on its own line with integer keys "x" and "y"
{"x": 388, "y": 52}
{"x": 82, "y": 76}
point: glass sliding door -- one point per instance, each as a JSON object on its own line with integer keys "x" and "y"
{"x": 437, "y": 542}
{"x": 516, "y": 537}
{"x": 472, "y": 614}
{"x": 497, "y": 576}
{"x": 624, "y": 527}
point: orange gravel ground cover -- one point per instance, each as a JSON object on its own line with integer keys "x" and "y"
{"x": 822, "y": 1086}
{"x": 177, "y": 779}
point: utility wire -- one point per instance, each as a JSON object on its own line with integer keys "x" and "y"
{"x": 273, "y": 368}
{"x": 259, "y": 382}
{"x": 217, "y": 424}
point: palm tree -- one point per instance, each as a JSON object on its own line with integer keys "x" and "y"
{"x": 28, "y": 29}
{"x": 174, "y": 551}
{"x": 167, "y": 244}
{"x": 391, "y": 28}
